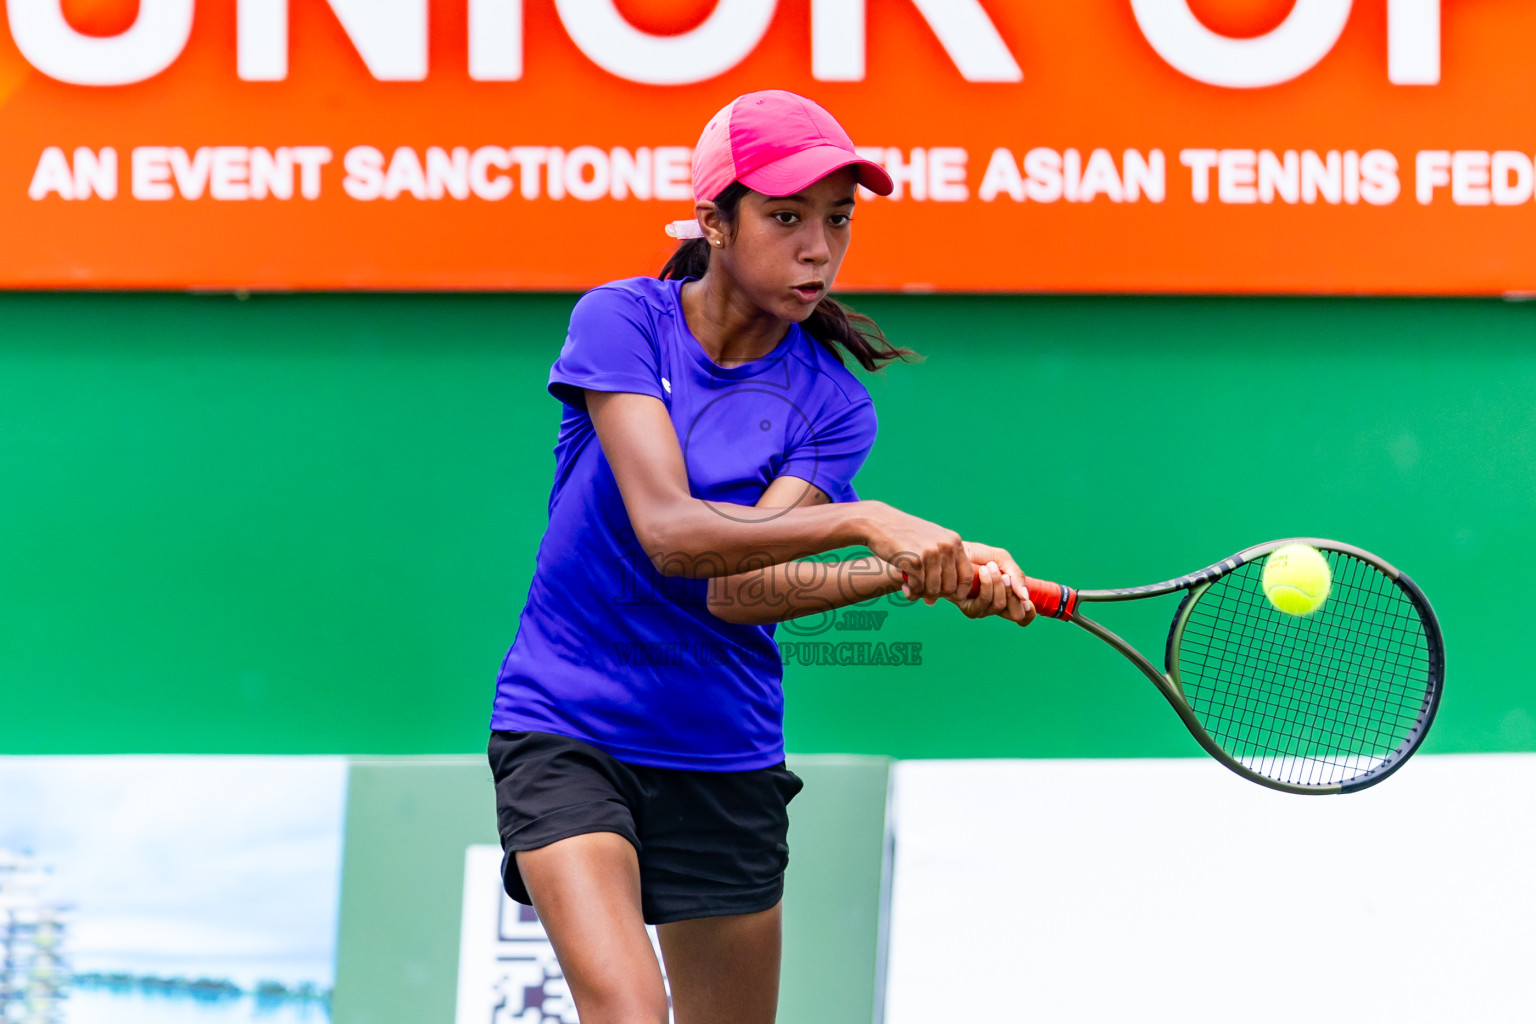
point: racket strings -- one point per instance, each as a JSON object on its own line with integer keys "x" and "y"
{"x": 1320, "y": 699}
{"x": 1269, "y": 727}
{"x": 1289, "y": 705}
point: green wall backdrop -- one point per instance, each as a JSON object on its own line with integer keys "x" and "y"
{"x": 297, "y": 524}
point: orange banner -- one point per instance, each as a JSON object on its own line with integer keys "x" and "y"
{"x": 1381, "y": 146}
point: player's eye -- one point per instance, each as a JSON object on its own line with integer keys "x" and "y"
{"x": 841, "y": 220}
{"x": 784, "y": 217}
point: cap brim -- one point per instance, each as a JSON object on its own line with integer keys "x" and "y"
{"x": 801, "y": 170}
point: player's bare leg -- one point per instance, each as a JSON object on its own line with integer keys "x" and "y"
{"x": 724, "y": 968}
{"x": 586, "y": 890}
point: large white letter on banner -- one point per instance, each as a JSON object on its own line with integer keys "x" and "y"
{"x": 47, "y": 41}
{"x": 963, "y": 28}
{"x": 731, "y": 31}
{"x": 1292, "y": 49}
{"x": 261, "y": 40}
{"x": 495, "y": 40}
{"x": 1413, "y": 42}
{"x": 390, "y": 36}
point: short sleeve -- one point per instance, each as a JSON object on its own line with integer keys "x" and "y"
{"x": 611, "y": 346}
{"x": 836, "y": 451}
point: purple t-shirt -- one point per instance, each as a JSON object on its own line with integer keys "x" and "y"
{"x": 608, "y": 650}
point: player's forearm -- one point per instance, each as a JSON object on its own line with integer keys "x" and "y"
{"x": 794, "y": 589}
{"x": 696, "y": 539}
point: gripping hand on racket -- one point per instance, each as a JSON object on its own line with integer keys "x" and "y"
{"x": 1001, "y": 588}
{"x": 990, "y": 591}
{"x": 934, "y": 562}
{"x": 995, "y": 587}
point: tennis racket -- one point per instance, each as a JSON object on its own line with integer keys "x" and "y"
{"x": 1330, "y": 702}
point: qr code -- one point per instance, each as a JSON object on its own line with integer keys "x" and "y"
{"x": 508, "y": 973}
{"x": 530, "y": 989}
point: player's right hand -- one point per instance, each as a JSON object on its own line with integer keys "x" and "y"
{"x": 932, "y": 556}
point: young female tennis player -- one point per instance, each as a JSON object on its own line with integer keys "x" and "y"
{"x": 710, "y": 432}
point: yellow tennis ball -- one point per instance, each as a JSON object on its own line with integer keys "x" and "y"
{"x": 1296, "y": 579}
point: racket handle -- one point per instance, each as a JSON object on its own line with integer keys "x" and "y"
{"x": 1049, "y": 598}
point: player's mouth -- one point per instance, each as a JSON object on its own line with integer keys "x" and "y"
{"x": 810, "y": 293}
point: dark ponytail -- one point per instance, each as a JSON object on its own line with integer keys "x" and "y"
{"x": 830, "y": 323}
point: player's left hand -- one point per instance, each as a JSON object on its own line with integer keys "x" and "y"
{"x": 996, "y": 596}
{"x": 1010, "y": 597}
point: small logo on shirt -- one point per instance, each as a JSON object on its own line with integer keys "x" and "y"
{"x": 666, "y": 385}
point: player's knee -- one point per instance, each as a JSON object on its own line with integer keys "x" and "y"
{"x": 620, "y": 1006}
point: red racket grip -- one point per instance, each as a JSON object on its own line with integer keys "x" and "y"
{"x": 1049, "y": 598}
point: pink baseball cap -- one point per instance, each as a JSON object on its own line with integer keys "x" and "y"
{"x": 776, "y": 143}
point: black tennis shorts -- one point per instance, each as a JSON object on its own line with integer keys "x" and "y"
{"x": 709, "y": 843}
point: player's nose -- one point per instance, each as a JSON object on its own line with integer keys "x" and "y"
{"x": 815, "y": 248}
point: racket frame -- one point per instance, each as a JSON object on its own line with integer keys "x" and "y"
{"x": 1064, "y": 603}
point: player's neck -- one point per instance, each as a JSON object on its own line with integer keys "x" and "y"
{"x": 728, "y": 326}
